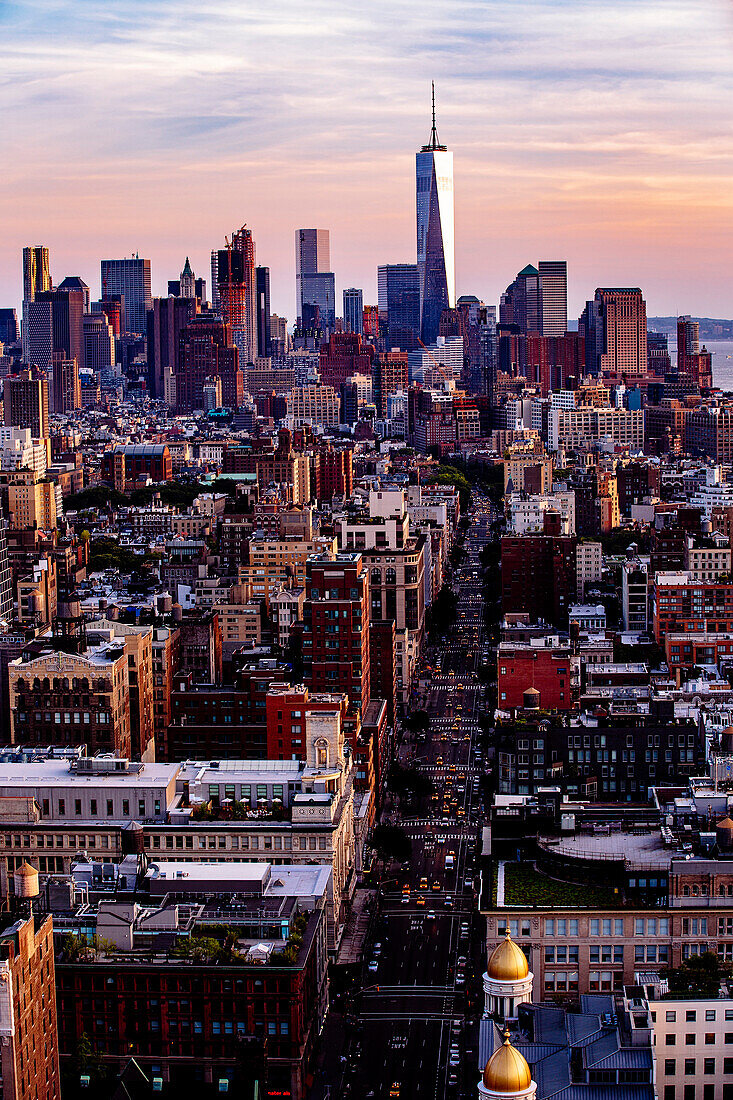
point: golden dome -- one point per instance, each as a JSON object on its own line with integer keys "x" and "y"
{"x": 507, "y": 1070}
{"x": 507, "y": 963}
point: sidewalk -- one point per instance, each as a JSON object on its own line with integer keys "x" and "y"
{"x": 357, "y": 926}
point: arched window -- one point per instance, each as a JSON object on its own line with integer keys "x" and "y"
{"x": 391, "y": 577}
{"x": 322, "y": 753}
{"x": 376, "y": 575}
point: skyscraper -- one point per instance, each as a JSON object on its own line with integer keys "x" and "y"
{"x": 262, "y": 277}
{"x": 521, "y": 303}
{"x": 215, "y": 300}
{"x": 614, "y": 327}
{"x": 354, "y": 311}
{"x": 99, "y": 343}
{"x": 130, "y": 278}
{"x": 398, "y": 292}
{"x": 435, "y": 233}
{"x": 67, "y": 317}
{"x": 9, "y": 331}
{"x": 25, "y": 402}
{"x": 166, "y": 321}
{"x": 554, "y": 297}
{"x": 688, "y": 343}
{"x": 237, "y": 292}
{"x": 36, "y": 271}
{"x": 37, "y": 334}
{"x": 315, "y": 283}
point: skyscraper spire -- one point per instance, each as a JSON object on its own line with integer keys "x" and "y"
{"x": 434, "y": 142}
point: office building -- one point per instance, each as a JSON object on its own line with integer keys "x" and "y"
{"x": 657, "y": 347}
{"x": 215, "y": 299}
{"x": 65, "y": 388}
{"x": 204, "y": 352}
{"x": 614, "y": 327}
{"x": 345, "y": 355}
{"x": 319, "y": 405}
{"x": 521, "y": 302}
{"x": 312, "y": 257}
{"x": 9, "y": 329}
{"x": 398, "y": 291}
{"x": 435, "y": 233}
{"x": 554, "y": 297}
{"x": 75, "y": 282}
{"x": 688, "y": 343}
{"x": 187, "y": 285}
{"x": 99, "y": 343}
{"x": 389, "y": 375}
{"x": 67, "y": 322}
{"x": 36, "y": 271}
{"x": 34, "y": 503}
{"x": 318, "y": 304}
{"x": 25, "y": 402}
{"x": 262, "y": 279}
{"x": 131, "y": 279}
{"x": 37, "y": 336}
{"x": 354, "y": 311}
{"x": 279, "y": 339}
{"x": 165, "y": 323}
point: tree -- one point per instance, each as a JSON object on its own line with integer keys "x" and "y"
{"x": 698, "y": 976}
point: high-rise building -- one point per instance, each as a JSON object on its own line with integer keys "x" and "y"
{"x": 166, "y": 321}
{"x": 238, "y": 292}
{"x": 215, "y": 300}
{"x": 614, "y": 327}
{"x": 67, "y": 322}
{"x": 9, "y": 331}
{"x": 37, "y": 335}
{"x": 371, "y": 322}
{"x": 398, "y": 289}
{"x": 131, "y": 278}
{"x": 389, "y": 375}
{"x": 658, "y": 360}
{"x": 354, "y": 311}
{"x": 688, "y": 343}
{"x": 36, "y": 271}
{"x": 187, "y": 285}
{"x": 25, "y": 402}
{"x": 521, "y": 302}
{"x": 554, "y": 297}
{"x": 315, "y": 283}
{"x": 262, "y": 278}
{"x": 435, "y": 233}
{"x": 65, "y": 387}
{"x": 99, "y": 343}
{"x": 75, "y": 282}
{"x": 337, "y": 590}
{"x": 29, "y": 1053}
{"x": 205, "y": 352}
{"x": 280, "y": 343}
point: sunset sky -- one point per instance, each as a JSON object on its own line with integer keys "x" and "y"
{"x": 597, "y": 132}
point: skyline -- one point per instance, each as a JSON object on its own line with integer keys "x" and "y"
{"x": 614, "y": 157}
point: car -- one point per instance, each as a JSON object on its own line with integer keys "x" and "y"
{"x": 468, "y": 883}
{"x": 439, "y": 761}
{"x": 436, "y": 886}
{"x": 461, "y": 960}
{"x": 430, "y": 914}
{"x": 405, "y": 899}
{"x": 460, "y": 980}
{"x": 377, "y": 949}
{"x": 421, "y": 902}
{"x": 394, "y": 1090}
{"x": 423, "y": 883}
{"x": 373, "y": 966}
{"x": 448, "y": 903}
{"x": 454, "y": 1061}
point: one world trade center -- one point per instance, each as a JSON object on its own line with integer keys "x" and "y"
{"x": 435, "y": 233}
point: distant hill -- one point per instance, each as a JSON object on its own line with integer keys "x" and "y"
{"x": 711, "y": 328}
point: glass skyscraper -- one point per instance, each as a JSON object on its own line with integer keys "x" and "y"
{"x": 353, "y": 311}
{"x": 398, "y": 289}
{"x": 435, "y": 233}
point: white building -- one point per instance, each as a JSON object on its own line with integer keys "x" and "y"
{"x": 526, "y": 512}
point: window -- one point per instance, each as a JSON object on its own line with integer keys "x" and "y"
{"x": 670, "y": 1039}
{"x": 708, "y": 1065}
{"x": 110, "y": 808}
{"x": 690, "y": 1039}
{"x": 689, "y": 1067}
{"x": 670, "y": 1067}
{"x": 77, "y": 807}
{"x": 671, "y": 1017}
{"x": 126, "y": 807}
{"x": 691, "y": 1016}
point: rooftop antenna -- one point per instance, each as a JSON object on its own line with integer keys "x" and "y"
{"x": 434, "y": 142}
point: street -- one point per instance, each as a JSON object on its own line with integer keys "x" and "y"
{"x": 414, "y": 1022}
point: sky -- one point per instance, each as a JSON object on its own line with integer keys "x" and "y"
{"x": 596, "y": 131}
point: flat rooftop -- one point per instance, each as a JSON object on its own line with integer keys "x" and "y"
{"x": 639, "y": 852}
{"x": 58, "y": 773}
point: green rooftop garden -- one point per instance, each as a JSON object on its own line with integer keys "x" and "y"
{"x": 525, "y": 885}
